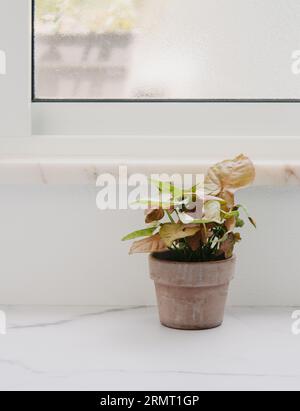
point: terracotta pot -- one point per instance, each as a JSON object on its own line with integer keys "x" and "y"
{"x": 191, "y": 296}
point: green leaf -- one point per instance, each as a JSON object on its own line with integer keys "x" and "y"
{"x": 252, "y": 221}
{"x": 147, "y": 232}
{"x": 239, "y": 223}
{"x": 165, "y": 205}
{"x": 167, "y": 187}
{"x": 230, "y": 214}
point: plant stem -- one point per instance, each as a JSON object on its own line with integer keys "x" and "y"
{"x": 170, "y": 217}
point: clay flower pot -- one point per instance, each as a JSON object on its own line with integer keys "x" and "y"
{"x": 191, "y": 296}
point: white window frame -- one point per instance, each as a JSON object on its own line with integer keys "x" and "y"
{"x": 39, "y": 130}
{"x": 14, "y": 85}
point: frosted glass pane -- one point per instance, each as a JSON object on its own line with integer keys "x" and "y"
{"x": 167, "y": 49}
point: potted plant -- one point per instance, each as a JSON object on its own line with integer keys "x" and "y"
{"x": 191, "y": 241}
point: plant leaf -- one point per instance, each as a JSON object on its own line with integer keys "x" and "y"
{"x": 164, "y": 204}
{"x": 148, "y": 245}
{"x": 167, "y": 187}
{"x": 195, "y": 242}
{"x": 227, "y": 246}
{"x": 230, "y": 214}
{"x": 228, "y": 198}
{"x": 229, "y": 175}
{"x": 212, "y": 211}
{"x": 237, "y": 237}
{"x": 230, "y": 224}
{"x": 239, "y": 223}
{"x": 185, "y": 218}
{"x": 252, "y": 221}
{"x": 140, "y": 233}
{"x": 155, "y": 214}
{"x": 172, "y": 232}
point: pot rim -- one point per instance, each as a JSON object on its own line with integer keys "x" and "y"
{"x": 171, "y": 262}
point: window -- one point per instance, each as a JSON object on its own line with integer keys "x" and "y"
{"x": 29, "y": 107}
{"x": 145, "y": 50}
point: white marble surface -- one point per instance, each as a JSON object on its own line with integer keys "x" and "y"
{"x": 64, "y": 160}
{"x": 94, "y": 348}
{"x": 85, "y": 172}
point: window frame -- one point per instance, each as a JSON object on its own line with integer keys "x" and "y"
{"x": 15, "y": 83}
{"x": 243, "y": 116}
{"x": 75, "y": 130}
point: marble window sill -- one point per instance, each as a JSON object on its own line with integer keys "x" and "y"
{"x": 79, "y": 160}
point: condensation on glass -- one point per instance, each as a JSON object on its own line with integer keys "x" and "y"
{"x": 167, "y": 49}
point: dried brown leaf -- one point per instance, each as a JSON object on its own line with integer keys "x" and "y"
{"x": 154, "y": 215}
{"x": 228, "y": 245}
{"x": 148, "y": 245}
{"x": 172, "y": 232}
{"x": 229, "y": 175}
{"x": 230, "y": 223}
{"x": 229, "y": 198}
{"x": 195, "y": 242}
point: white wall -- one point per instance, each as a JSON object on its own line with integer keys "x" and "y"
{"x": 57, "y": 248}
